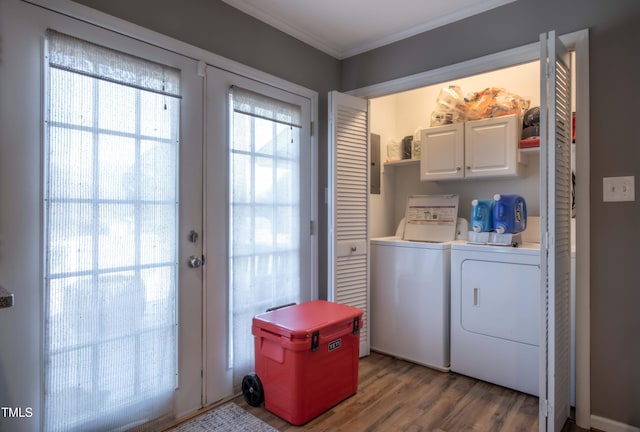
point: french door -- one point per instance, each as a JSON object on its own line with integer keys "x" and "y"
{"x": 121, "y": 165}
{"x": 259, "y": 200}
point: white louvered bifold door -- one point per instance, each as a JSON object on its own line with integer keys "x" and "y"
{"x": 555, "y": 211}
{"x": 348, "y": 175}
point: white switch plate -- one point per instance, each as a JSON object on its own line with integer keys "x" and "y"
{"x": 618, "y": 188}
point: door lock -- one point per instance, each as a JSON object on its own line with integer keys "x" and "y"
{"x": 196, "y": 262}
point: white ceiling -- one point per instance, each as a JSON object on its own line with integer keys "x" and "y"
{"x": 342, "y": 28}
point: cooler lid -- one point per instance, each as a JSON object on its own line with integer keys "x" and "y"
{"x": 300, "y": 321}
{"x": 431, "y": 218}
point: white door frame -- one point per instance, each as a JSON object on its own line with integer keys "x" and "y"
{"x": 579, "y": 43}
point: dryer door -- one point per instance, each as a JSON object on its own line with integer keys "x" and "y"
{"x": 501, "y": 300}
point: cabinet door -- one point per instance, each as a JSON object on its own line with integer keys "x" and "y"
{"x": 491, "y": 147}
{"x": 442, "y": 152}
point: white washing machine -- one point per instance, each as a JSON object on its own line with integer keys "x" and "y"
{"x": 410, "y": 300}
{"x": 495, "y": 314}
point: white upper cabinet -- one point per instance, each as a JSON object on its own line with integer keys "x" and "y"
{"x": 478, "y": 148}
{"x": 491, "y": 147}
{"x": 442, "y": 152}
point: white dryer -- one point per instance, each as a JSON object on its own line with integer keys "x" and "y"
{"x": 495, "y": 314}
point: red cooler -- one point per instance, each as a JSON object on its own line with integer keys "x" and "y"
{"x": 306, "y": 359}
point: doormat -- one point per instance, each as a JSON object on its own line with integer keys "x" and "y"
{"x": 228, "y": 418}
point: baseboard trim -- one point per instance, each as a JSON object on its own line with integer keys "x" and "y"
{"x": 608, "y": 425}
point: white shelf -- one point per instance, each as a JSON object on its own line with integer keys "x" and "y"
{"x": 402, "y": 162}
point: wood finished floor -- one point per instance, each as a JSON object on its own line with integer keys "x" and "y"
{"x": 395, "y": 395}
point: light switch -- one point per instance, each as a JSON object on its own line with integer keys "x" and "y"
{"x": 618, "y": 188}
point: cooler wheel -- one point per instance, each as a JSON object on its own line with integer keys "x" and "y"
{"x": 252, "y": 390}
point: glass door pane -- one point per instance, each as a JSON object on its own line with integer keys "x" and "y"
{"x": 264, "y": 215}
{"x": 110, "y": 204}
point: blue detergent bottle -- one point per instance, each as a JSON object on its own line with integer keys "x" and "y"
{"x": 481, "y": 215}
{"x": 509, "y": 214}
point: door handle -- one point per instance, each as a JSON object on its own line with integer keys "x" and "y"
{"x": 196, "y": 262}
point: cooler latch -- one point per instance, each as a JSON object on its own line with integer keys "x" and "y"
{"x": 356, "y": 325}
{"x": 315, "y": 340}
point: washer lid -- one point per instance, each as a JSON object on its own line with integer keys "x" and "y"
{"x": 394, "y": 241}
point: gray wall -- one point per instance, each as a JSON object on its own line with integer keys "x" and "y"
{"x": 615, "y": 150}
{"x": 614, "y": 71}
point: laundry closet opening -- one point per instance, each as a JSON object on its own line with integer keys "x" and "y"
{"x": 397, "y": 116}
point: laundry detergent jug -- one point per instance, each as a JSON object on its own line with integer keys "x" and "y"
{"x": 509, "y": 214}
{"x": 481, "y": 215}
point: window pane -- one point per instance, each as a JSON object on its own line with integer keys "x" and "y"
{"x": 69, "y": 388}
{"x": 158, "y": 115}
{"x": 242, "y": 178}
{"x": 117, "y": 236}
{"x": 116, "y": 367}
{"x": 123, "y": 292}
{"x": 158, "y": 174}
{"x": 242, "y": 132}
{"x": 113, "y": 95}
{"x": 75, "y": 96}
{"x": 159, "y": 298}
{"x": 71, "y": 235}
{"x": 287, "y": 227}
{"x": 263, "y": 136}
{"x": 70, "y": 312}
{"x": 265, "y": 225}
{"x": 70, "y": 163}
{"x": 287, "y": 269}
{"x": 116, "y": 159}
{"x": 242, "y": 232}
{"x": 288, "y": 185}
{"x": 263, "y": 184}
{"x": 158, "y": 357}
{"x": 158, "y": 223}
{"x": 110, "y": 242}
{"x": 288, "y": 146}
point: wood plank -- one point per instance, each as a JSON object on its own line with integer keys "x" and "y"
{"x": 401, "y": 396}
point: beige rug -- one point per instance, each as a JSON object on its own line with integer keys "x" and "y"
{"x": 228, "y": 418}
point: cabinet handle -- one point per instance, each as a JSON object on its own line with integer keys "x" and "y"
{"x": 458, "y": 168}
